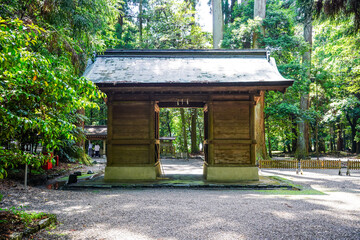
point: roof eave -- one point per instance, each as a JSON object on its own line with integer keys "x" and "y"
{"x": 119, "y": 84}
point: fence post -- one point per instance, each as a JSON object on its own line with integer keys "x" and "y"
{"x": 340, "y": 167}
{"x": 260, "y": 165}
{"x": 348, "y": 168}
{"x": 299, "y": 170}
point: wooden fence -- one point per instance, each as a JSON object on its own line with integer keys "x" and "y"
{"x": 321, "y": 164}
{"x": 285, "y": 164}
{"x": 305, "y": 164}
{"x": 310, "y": 164}
{"x": 352, "y": 165}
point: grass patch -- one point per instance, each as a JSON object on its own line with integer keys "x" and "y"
{"x": 17, "y": 220}
{"x": 301, "y": 191}
{"x": 291, "y": 192}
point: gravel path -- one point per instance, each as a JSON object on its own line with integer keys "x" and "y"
{"x": 203, "y": 214}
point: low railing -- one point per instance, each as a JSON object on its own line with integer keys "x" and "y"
{"x": 310, "y": 164}
{"x": 321, "y": 164}
{"x": 352, "y": 165}
{"x": 284, "y": 164}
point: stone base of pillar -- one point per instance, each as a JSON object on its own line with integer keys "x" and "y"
{"x": 215, "y": 173}
{"x": 140, "y": 172}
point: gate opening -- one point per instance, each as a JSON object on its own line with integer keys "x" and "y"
{"x": 181, "y": 135}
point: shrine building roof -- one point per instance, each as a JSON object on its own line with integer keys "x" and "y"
{"x": 185, "y": 67}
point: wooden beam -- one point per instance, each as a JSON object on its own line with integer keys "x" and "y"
{"x": 131, "y": 142}
{"x": 185, "y": 89}
{"x": 232, "y": 141}
{"x": 175, "y": 105}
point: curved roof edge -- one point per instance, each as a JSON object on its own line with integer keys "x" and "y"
{"x": 118, "y": 68}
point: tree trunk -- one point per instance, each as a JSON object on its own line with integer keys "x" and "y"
{"x": 289, "y": 147}
{"x": 260, "y": 8}
{"x": 340, "y": 140}
{"x": 140, "y": 20}
{"x": 333, "y": 137}
{"x": 352, "y": 123}
{"x": 259, "y": 11}
{"x": 260, "y": 128}
{"x": 80, "y": 141}
{"x": 168, "y": 122}
{"x": 183, "y": 122}
{"x": 227, "y": 12}
{"x": 308, "y": 136}
{"x": 294, "y": 132}
{"x": 303, "y": 137}
{"x": 353, "y": 142}
{"x": 218, "y": 23}
{"x": 269, "y": 140}
{"x": 301, "y": 149}
{"x": 194, "y": 146}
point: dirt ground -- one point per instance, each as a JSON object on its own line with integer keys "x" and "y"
{"x": 329, "y": 209}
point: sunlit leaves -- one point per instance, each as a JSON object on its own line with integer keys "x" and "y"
{"x": 40, "y": 92}
{"x": 171, "y": 25}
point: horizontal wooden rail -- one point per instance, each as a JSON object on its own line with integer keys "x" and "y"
{"x": 320, "y": 164}
{"x": 305, "y": 164}
{"x": 285, "y": 164}
{"x": 353, "y": 164}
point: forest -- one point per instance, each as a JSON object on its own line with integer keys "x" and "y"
{"x": 45, "y": 47}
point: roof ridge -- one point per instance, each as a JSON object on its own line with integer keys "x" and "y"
{"x": 183, "y": 52}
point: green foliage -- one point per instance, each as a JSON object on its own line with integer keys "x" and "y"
{"x": 277, "y": 33}
{"x": 126, "y": 33}
{"x": 39, "y": 92}
{"x": 337, "y": 52}
{"x": 41, "y": 59}
{"x": 240, "y": 35}
{"x": 171, "y": 25}
{"x": 350, "y": 8}
{"x": 336, "y": 67}
{"x": 96, "y": 116}
{"x": 171, "y": 125}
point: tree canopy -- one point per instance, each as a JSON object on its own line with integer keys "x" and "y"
{"x": 44, "y": 47}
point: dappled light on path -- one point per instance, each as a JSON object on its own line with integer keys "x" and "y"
{"x": 182, "y": 166}
{"x": 205, "y": 214}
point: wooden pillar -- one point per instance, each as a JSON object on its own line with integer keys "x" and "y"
{"x": 109, "y": 129}
{"x": 152, "y": 132}
{"x": 252, "y": 129}
{"x": 211, "y": 160}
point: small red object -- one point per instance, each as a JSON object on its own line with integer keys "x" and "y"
{"x": 48, "y": 164}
